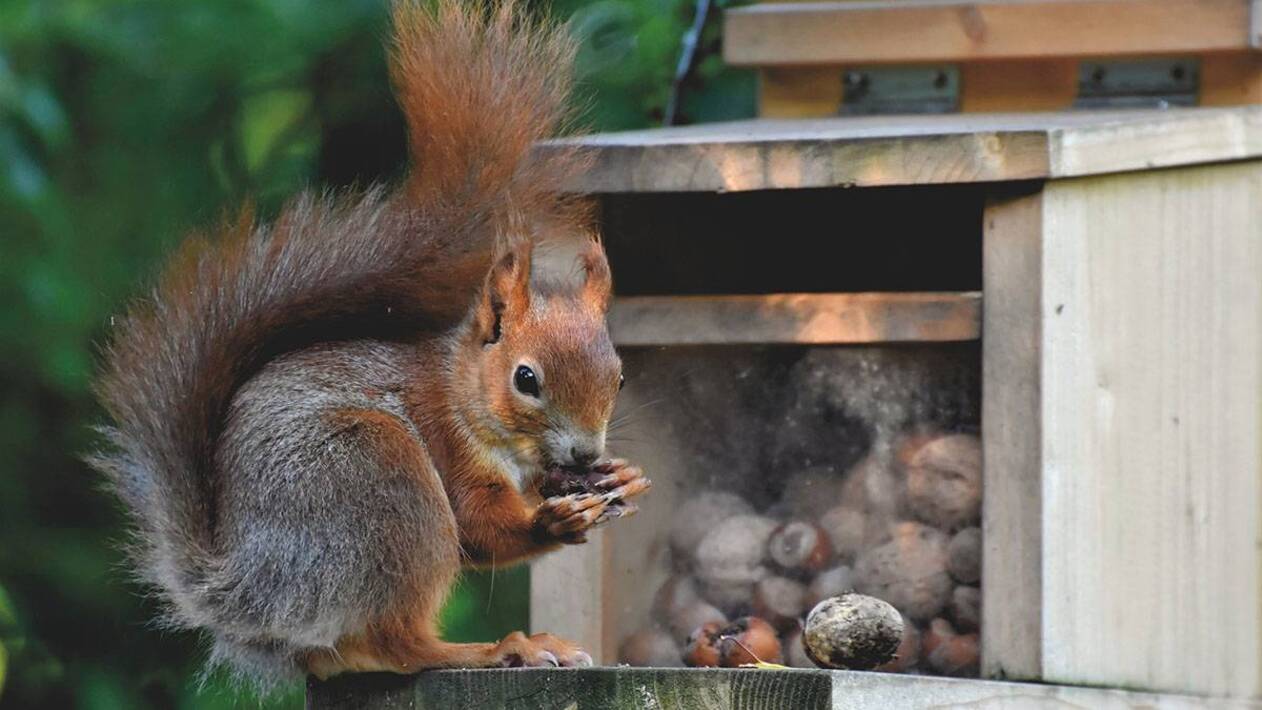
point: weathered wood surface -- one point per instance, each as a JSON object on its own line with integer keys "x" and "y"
{"x": 1012, "y": 446}
{"x": 795, "y": 34}
{"x": 802, "y": 318}
{"x": 1151, "y": 384}
{"x": 768, "y": 154}
{"x": 714, "y": 689}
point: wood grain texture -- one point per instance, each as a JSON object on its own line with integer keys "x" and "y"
{"x": 935, "y": 30}
{"x": 799, "y": 92}
{"x": 1018, "y": 85}
{"x": 1231, "y": 79}
{"x": 771, "y": 154}
{"x": 1012, "y": 573}
{"x": 803, "y": 318}
{"x": 1152, "y": 466}
{"x": 717, "y": 689}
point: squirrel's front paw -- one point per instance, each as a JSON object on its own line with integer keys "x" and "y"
{"x": 567, "y": 518}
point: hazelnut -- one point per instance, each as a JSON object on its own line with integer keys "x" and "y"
{"x": 702, "y": 649}
{"x": 732, "y": 552}
{"x": 744, "y": 641}
{"x": 748, "y": 640}
{"x": 935, "y": 634}
{"x": 964, "y": 556}
{"x": 956, "y": 656}
{"x": 965, "y": 608}
{"x": 909, "y": 571}
{"x": 847, "y": 531}
{"x": 944, "y": 481}
{"x": 650, "y": 647}
{"x": 698, "y": 515}
{"x": 800, "y": 547}
{"x": 853, "y": 632}
{"x": 781, "y": 601}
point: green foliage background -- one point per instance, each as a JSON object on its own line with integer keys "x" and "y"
{"x": 126, "y": 123}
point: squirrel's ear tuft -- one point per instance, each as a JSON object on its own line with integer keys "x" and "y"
{"x": 506, "y": 294}
{"x": 598, "y": 282}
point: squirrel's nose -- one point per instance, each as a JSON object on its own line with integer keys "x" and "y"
{"x": 583, "y": 457}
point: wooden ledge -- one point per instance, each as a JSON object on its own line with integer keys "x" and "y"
{"x": 774, "y": 154}
{"x": 796, "y": 318}
{"x": 805, "y": 33}
{"x": 635, "y": 688}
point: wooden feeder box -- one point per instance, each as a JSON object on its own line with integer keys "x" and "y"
{"x": 1106, "y": 270}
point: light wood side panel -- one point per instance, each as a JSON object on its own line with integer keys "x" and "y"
{"x": 801, "y": 318}
{"x": 568, "y": 595}
{"x": 1012, "y": 572}
{"x": 1152, "y": 416}
{"x": 788, "y": 34}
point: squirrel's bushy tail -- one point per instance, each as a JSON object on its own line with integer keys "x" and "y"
{"x": 478, "y": 86}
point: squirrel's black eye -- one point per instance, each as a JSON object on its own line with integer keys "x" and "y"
{"x": 622, "y": 381}
{"x": 525, "y": 381}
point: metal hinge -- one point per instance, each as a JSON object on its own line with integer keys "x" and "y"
{"x": 1138, "y": 83}
{"x": 903, "y": 89}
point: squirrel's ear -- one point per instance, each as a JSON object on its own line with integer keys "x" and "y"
{"x": 506, "y": 295}
{"x": 598, "y": 282}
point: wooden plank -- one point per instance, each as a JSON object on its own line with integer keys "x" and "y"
{"x": 1012, "y": 573}
{"x": 803, "y": 318}
{"x": 1231, "y": 79}
{"x": 1152, "y": 461}
{"x": 1020, "y": 85}
{"x": 770, "y": 154}
{"x": 716, "y": 689}
{"x": 799, "y": 92}
{"x": 947, "y": 31}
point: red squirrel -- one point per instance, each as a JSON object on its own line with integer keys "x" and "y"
{"x": 319, "y": 422}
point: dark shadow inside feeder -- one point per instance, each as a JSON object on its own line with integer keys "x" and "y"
{"x": 802, "y": 472}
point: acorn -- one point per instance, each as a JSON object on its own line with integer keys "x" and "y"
{"x": 799, "y": 547}
{"x": 852, "y": 632}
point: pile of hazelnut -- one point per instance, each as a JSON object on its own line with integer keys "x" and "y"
{"x": 902, "y": 525}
